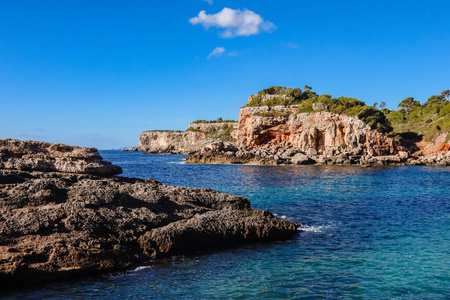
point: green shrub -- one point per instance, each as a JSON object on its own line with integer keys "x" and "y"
{"x": 274, "y": 114}
{"x": 445, "y": 110}
{"x": 193, "y": 129}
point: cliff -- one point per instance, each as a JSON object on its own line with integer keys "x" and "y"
{"x": 321, "y": 133}
{"x": 198, "y": 136}
{"x": 281, "y": 135}
{"x": 274, "y": 135}
{"x": 174, "y": 142}
{"x": 282, "y": 125}
{"x": 67, "y": 219}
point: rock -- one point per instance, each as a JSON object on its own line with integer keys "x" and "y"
{"x": 311, "y": 133}
{"x": 301, "y": 159}
{"x": 188, "y": 235}
{"x": 340, "y": 159}
{"x": 314, "y": 134}
{"x": 197, "y": 137}
{"x": 47, "y": 157}
{"x": 55, "y": 225}
{"x": 131, "y": 149}
{"x": 172, "y": 141}
{"x": 403, "y": 154}
{"x": 217, "y": 145}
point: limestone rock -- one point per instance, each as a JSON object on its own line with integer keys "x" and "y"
{"x": 55, "y": 225}
{"x": 46, "y": 157}
{"x": 177, "y": 142}
{"x": 313, "y": 133}
{"x": 301, "y": 159}
{"x": 198, "y": 137}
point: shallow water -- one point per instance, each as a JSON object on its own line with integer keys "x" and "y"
{"x": 380, "y": 232}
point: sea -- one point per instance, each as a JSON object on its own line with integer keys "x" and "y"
{"x": 368, "y": 233}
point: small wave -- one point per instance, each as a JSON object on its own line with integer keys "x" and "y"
{"x": 315, "y": 228}
{"x": 140, "y": 268}
{"x": 282, "y": 216}
{"x": 182, "y": 162}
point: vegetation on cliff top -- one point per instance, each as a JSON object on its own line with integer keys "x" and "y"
{"x": 310, "y": 101}
{"x": 427, "y": 120}
{"x": 223, "y": 133}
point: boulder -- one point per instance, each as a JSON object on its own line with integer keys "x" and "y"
{"x": 302, "y": 159}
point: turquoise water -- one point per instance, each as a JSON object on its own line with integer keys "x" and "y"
{"x": 380, "y": 232}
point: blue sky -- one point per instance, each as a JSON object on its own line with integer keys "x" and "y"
{"x": 98, "y": 73}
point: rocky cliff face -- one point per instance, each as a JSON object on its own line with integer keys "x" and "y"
{"x": 280, "y": 135}
{"x": 64, "y": 223}
{"x": 208, "y": 127}
{"x": 176, "y": 142}
{"x": 320, "y": 133}
{"x": 199, "y": 136}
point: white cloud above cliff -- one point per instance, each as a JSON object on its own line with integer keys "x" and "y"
{"x": 235, "y": 22}
{"x": 210, "y": 2}
{"x": 218, "y": 51}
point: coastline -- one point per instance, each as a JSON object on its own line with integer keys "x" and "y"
{"x": 65, "y": 214}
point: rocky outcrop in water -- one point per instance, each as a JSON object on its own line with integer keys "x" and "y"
{"x": 60, "y": 224}
{"x": 47, "y": 157}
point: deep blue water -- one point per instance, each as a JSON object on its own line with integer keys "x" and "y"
{"x": 380, "y": 232}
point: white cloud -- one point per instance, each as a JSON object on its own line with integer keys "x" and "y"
{"x": 218, "y": 51}
{"x": 210, "y": 2}
{"x": 236, "y": 22}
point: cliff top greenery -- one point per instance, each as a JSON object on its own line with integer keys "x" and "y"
{"x": 427, "y": 119}
{"x": 219, "y": 120}
{"x": 410, "y": 119}
{"x": 223, "y": 133}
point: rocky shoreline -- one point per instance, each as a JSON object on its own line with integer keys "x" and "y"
{"x": 64, "y": 214}
{"x": 277, "y": 155}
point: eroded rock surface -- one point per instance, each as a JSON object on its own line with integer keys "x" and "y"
{"x": 285, "y": 137}
{"x": 48, "y": 157}
{"x": 174, "y": 142}
{"x": 198, "y": 136}
{"x": 321, "y": 133}
{"x": 55, "y": 224}
{"x": 278, "y": 135}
